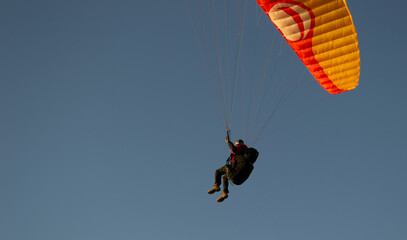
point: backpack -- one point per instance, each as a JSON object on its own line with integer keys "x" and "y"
{"x": 251, "y": 155}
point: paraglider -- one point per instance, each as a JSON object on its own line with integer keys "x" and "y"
{"x": 237, "y": 169}
{"x": 320, "y": 32}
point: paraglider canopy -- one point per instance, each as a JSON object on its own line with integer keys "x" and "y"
{"x": 322, "y": 34}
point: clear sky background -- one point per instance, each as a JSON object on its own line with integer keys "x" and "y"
{"x": 109, "y": 129}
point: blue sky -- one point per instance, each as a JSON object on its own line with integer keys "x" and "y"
{"x": 109, "y": 129}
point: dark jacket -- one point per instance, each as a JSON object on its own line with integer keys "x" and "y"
{"x": 241, "y": 167}
{"x": 236, "y": 150}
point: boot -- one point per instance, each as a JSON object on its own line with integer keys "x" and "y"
{"x": 215, "y": 188}
{"x": 222, "y": 197}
